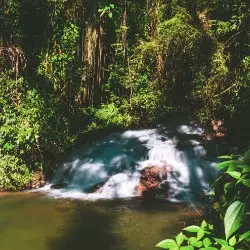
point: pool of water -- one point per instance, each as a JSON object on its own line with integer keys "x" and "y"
{"x": 33, "y": 221}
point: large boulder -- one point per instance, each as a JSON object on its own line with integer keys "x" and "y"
{"x": 153, "y": 181}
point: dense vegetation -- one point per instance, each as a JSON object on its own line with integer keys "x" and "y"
{"x": 228, "y": 228}
{"x": 69, "y": 68}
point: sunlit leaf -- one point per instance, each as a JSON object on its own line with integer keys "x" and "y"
{"x": 203, "y": 224}
{"x": 228, "y": 248}
{"x": 226, "y": 164}
{"x": 200, "y": 234}
{"x": 245, "y": 236}
{"x": 234, "y": 174}
{"x": 192, "y": 229}
{"x": 208, "y": 248}
{"x": 221, "y": 242}
{"x": 246, "y": 182}
{"x": 187, "y": 248}
{"x": 233, "y": 218}
{"x": 246, "y": 169}
{"x": 180, "y": 238}
{"x": 225, "y": 157}
{"x": 207, "y": 242}
{"x": 232, "y": 241}
{"x": 167, "y": 244}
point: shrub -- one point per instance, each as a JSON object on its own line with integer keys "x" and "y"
{"x": 231, "y": 202}
{"x": 14, "y": 173}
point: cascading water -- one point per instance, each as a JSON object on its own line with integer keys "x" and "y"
{"x": 111, "y": 167}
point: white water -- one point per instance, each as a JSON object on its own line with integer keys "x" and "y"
{"x": 117, "y": 160}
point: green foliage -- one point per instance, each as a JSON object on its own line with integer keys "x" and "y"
{"x": 110, "y": 115}
{"x": 19, "y": 117}
{"x": 14, "y": 173}
{"x": 56, "y": 64}
{"x": 233, "y": 183}
{"x": 233, "y": 218}
{"x": 10, "y": 19}
{"x": 98, "y": 64}
{"x": 231, "y": 201}
{"x": 29, "y": 131}
{"x": 107, "y": 10}
{"x": 19, "y": 132}
{"x": 203, "y": 238}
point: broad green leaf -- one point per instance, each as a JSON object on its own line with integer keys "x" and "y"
{"x": 239, "y": 181}
{"x": 203, "y": 224}
{"x": 180, "y": 238}
{"x": 245, "y": 236}
{"x": 187, "y": 248}
{"x": 221, "y": 242}
{"x": 200, "y": 234}
{"x": 167, "y": 244}
{"x": 194, "y": 242}
{"x": 246, "y": 169}
{"x": 228, "y": 248}
{"x": 208, "y": 248}
{"x": 207, "y": 242}
{"x": 192, "y": 229}
{"x": 246, "y": 182}
{"x": 192, "y": 239}
{"x": 226, "y": 164}
{"x": 199, "y": 244}
{"x": 242, "y": 166}
{"x": 234, "y": 174}
{"x": 233, "y": 218}
{"x": 232, "y": 241}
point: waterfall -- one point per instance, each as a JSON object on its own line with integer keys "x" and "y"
{"x": 111, "y": 167}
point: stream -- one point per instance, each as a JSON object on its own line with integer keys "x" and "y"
{"x": 33, "y": 221}
{"x": 113, "y": 217}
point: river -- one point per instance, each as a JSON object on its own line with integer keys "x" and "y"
{"x": 113, "y": 218}
{"x": 32, "y": 221}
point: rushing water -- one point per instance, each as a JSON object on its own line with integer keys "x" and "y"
{"x": 115, "y": 162}
{"x": 31, "y": 221}
{"x": 113, "y": 218}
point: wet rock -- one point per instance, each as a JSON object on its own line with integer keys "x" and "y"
{"x": 153, "y": 181}
{"x": 96, "y": 188}
{"x": 38, "y": 180}
{"x": 59, "y": 185}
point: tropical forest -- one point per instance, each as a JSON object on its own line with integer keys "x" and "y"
{"x": 124, "y": 124}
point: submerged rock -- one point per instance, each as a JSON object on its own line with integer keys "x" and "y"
{"x": 38, "y": 180}
{"x": 153, "y": 181}
{"x": 96, "y": 188}
{"x": 59, "y": 185}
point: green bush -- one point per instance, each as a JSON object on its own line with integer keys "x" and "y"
{"x": 14, "y": 173}
{"x": 231, "y": 201}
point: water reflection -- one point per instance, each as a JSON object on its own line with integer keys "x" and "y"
{"x": 32, "y": 221}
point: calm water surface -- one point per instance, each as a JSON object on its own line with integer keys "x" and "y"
{"x": 32, "y": 221}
